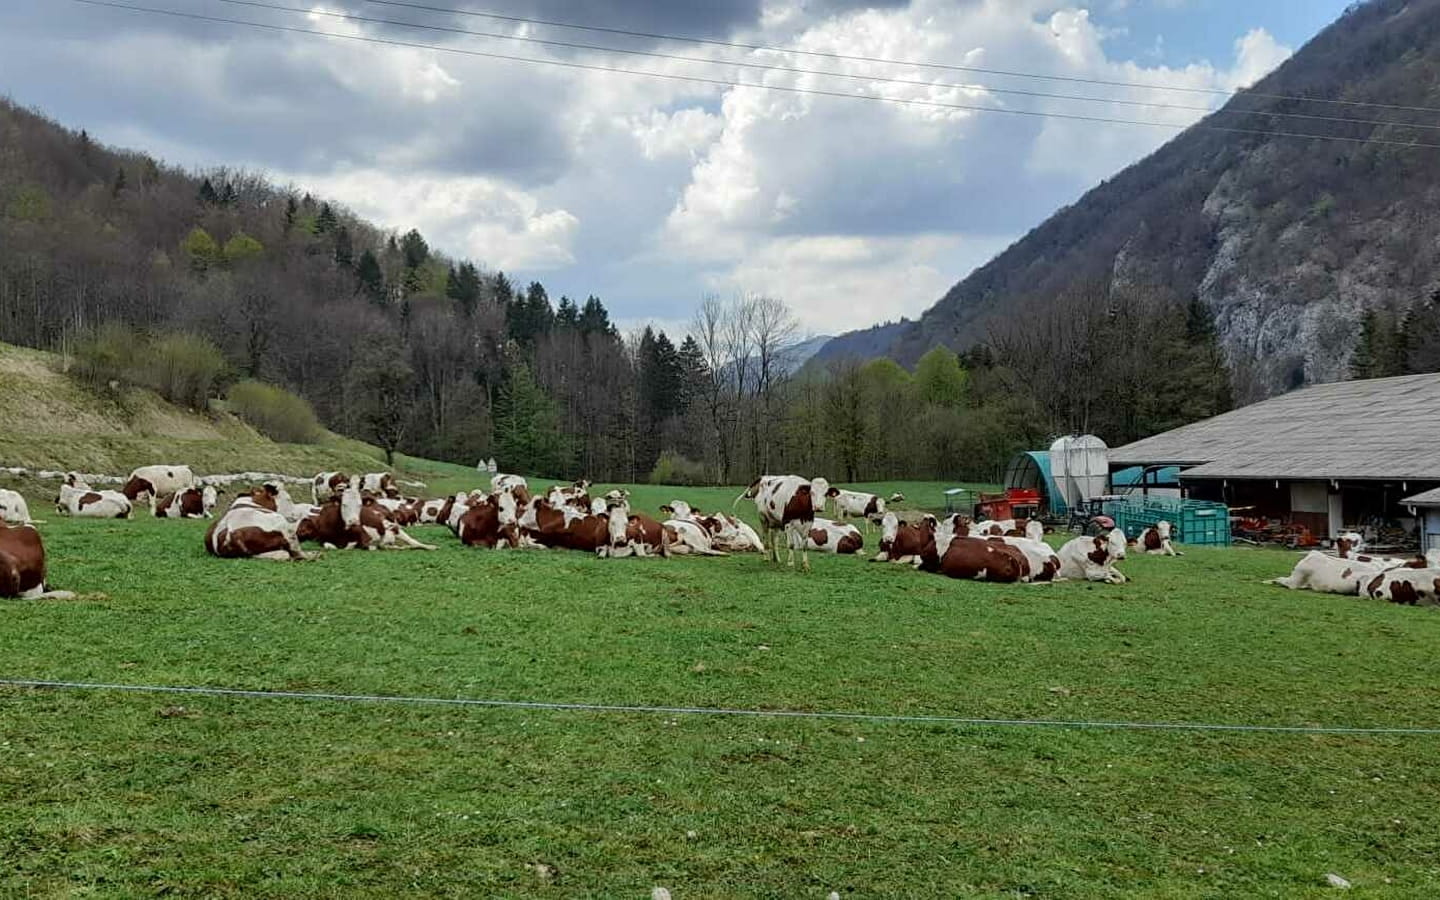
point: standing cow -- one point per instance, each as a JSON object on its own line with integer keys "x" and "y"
{"x": 787, "y": 505}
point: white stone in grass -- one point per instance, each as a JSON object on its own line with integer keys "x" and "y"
{"x": 834, "y": 895}
{"x": 659, "y": 893}
{"x": 1336, "y": 881}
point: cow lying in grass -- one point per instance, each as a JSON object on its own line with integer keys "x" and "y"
{"x": 14, "y": 509}
{"x": 1091, "y": 559}
{"x": 83, "y": 502}
{"x": 1155, "y": 540}
{"x": 22, "y": 565}
{"x": 1327, "y": 574}
{"x": 355, "y": 521}
{"x": 1411, "y": 587}
{"x": 825, "y": 536}
{"x": 252, "y": 529}
{"x": 191, "y": 503}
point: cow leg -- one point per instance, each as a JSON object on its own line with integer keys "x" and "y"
{"x": 804, "y": 559}
{"x": 409, "y": 543}
{"x": 274, "y": 556}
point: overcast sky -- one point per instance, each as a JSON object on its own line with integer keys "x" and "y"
{"x": 648, "y": 192}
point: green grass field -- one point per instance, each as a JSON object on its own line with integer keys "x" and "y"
{"x": 121, "y": 795}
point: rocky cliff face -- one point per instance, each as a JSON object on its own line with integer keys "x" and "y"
{"x": 1287, "y": 240}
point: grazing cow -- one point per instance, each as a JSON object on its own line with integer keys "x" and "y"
{"x": 14, "y": 509}
{"x": 191, "y": 503}
{"x": 252, "y": 529}
{"x": 1326, "y": 574}
{"x": 22, "y": 565}
{"x": 825, "y": 536}
{"x": 354, "y": 521}
{"x": 1412, "y": 587}
{"x": 902, "y": 542}
{"x": 1155, "y": 540}
{"x": 381, "y": 484}
{"x": 853, "y": 503}
{"x": 1090, "y": 559}
{"x": 787, "y": 505}
{"x": 86, "y": 503}
{"x": 1044, "y": 562}
{"x": 978, "y": 559}
{"x": 149, "y": 482}
{"x": 326, "y": 485}
{"x": 1349, "y": 543}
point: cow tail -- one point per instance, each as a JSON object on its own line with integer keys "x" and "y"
{"x": 664, "y": 542}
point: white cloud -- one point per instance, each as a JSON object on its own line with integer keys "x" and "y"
{"x": 470, "y": 216}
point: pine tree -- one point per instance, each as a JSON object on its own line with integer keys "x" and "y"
{"x": 327, "y": 221}
{"x": 415, "y": 249}
{"x": 149, "y": 172}
{"x": 1423, "y": 338}
{"x": 86, "y": 145}
{"x": 593, "y": 317}
{"x": 208, "y": 197}
{"x": 694, "y": 372}
{"x": 228, "y": 195}
{"x": 344, "y": 250}
{"x": 119, "y": 184}
{"x": 567, "y": 314}
{"x": 292, "y": 209}
{"x": 371, "y": 278}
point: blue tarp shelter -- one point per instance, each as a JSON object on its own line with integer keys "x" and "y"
{"x": 1031, "y": 470}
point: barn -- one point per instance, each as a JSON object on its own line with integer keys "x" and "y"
{"x": 1326, "y": 458}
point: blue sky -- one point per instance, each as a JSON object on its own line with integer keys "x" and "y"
{"x": 653, "y": 193}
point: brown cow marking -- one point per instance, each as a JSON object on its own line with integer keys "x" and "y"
{"x": 137, "y": 486}
{"x": 1151, "y": 539}
{"x": 850, "y": 543}
{"x": 22, "y": 560}
{"x": 1100, "y": 554}
{"x": 873, "y": 507}
{"x": 800, "y": 507}
{"x": 1403, "y": 592}
{"x": 88, "y": 499}
{"x": 820, "y": 536}
{"x": 1375, "y": 585}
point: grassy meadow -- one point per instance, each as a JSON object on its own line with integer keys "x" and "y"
{"x": 120, "y": 795}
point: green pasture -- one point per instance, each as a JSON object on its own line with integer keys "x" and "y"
{"x": 126, "y": 795}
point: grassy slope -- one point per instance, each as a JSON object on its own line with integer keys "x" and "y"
{"x": 101, "y": 792}
{"x": 49, "y": 421}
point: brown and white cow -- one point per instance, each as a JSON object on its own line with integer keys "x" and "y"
{"x": 1155, "y": 540}
{"x": 380, "y": 484}
{"x": 91, "y": 504}
{"x": 1044, "y": 562}
{"x": 252, "y": 529}
{"x": 1090, "y": 559}
{"x": 356, "y": 521}
{"x": 787, "y": 505}
{"x": 978, "y": 559}
{"x": 1411, "y": 587}
{"x": 825, "y": 536}
{"x": 148, "y": 482}
{"x": 1325, "y": 574}
{"x": 903, "y": 542}
{"x": 855, "y": 504}
{"x": 14, "y": 509}
{"x": 1349, "y": 544}
{"x": 482, "y": 524}
{"x": 22, "y": 565}
{"x": 191, "y": 503}
{"x": 326, "y": 485}
{"x": 689, "y": 537}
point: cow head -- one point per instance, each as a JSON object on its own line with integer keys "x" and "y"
{"x": 833, "y": 492}
{"x": 263, "y": 498}
{"x": 1115, "y": 543}
{"x": 352, "y": 501}
{"x": 819, "y": 491}
{"x": 1162, "y": 528}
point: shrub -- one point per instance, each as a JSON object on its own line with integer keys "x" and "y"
{"x": 672, "y": 468}
{"x": 183, "y": 368}
{"x": 111, "y": 352}
{"x": 274, "y": 412}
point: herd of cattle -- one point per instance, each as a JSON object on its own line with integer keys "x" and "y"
{"x": 369, "y": 512}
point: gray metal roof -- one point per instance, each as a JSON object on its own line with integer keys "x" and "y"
{"x": 1429, "y": 498}
{"x": 1373, "y": 429}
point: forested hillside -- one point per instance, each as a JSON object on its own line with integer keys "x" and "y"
{"x": 1288, "y": 242}
{"x": 220, "y": 286}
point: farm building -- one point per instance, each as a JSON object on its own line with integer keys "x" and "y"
{"x": 1326, "y": 458}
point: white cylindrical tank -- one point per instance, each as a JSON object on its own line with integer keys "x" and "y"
{"x": 1080, "y": 466}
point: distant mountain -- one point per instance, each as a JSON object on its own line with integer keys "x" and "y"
{"x": 867, "y": 344}
{"x": 802, "y": 352}
{"x": 1287, "y": 240}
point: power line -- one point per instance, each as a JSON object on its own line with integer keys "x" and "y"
{"x": 739, "y": 45}
{"x": 573, "y": 45}
{"x": 719, "y": 82}
{"x": 876, "y": 718}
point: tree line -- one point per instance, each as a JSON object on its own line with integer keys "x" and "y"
{"x": 395, "y": 343}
